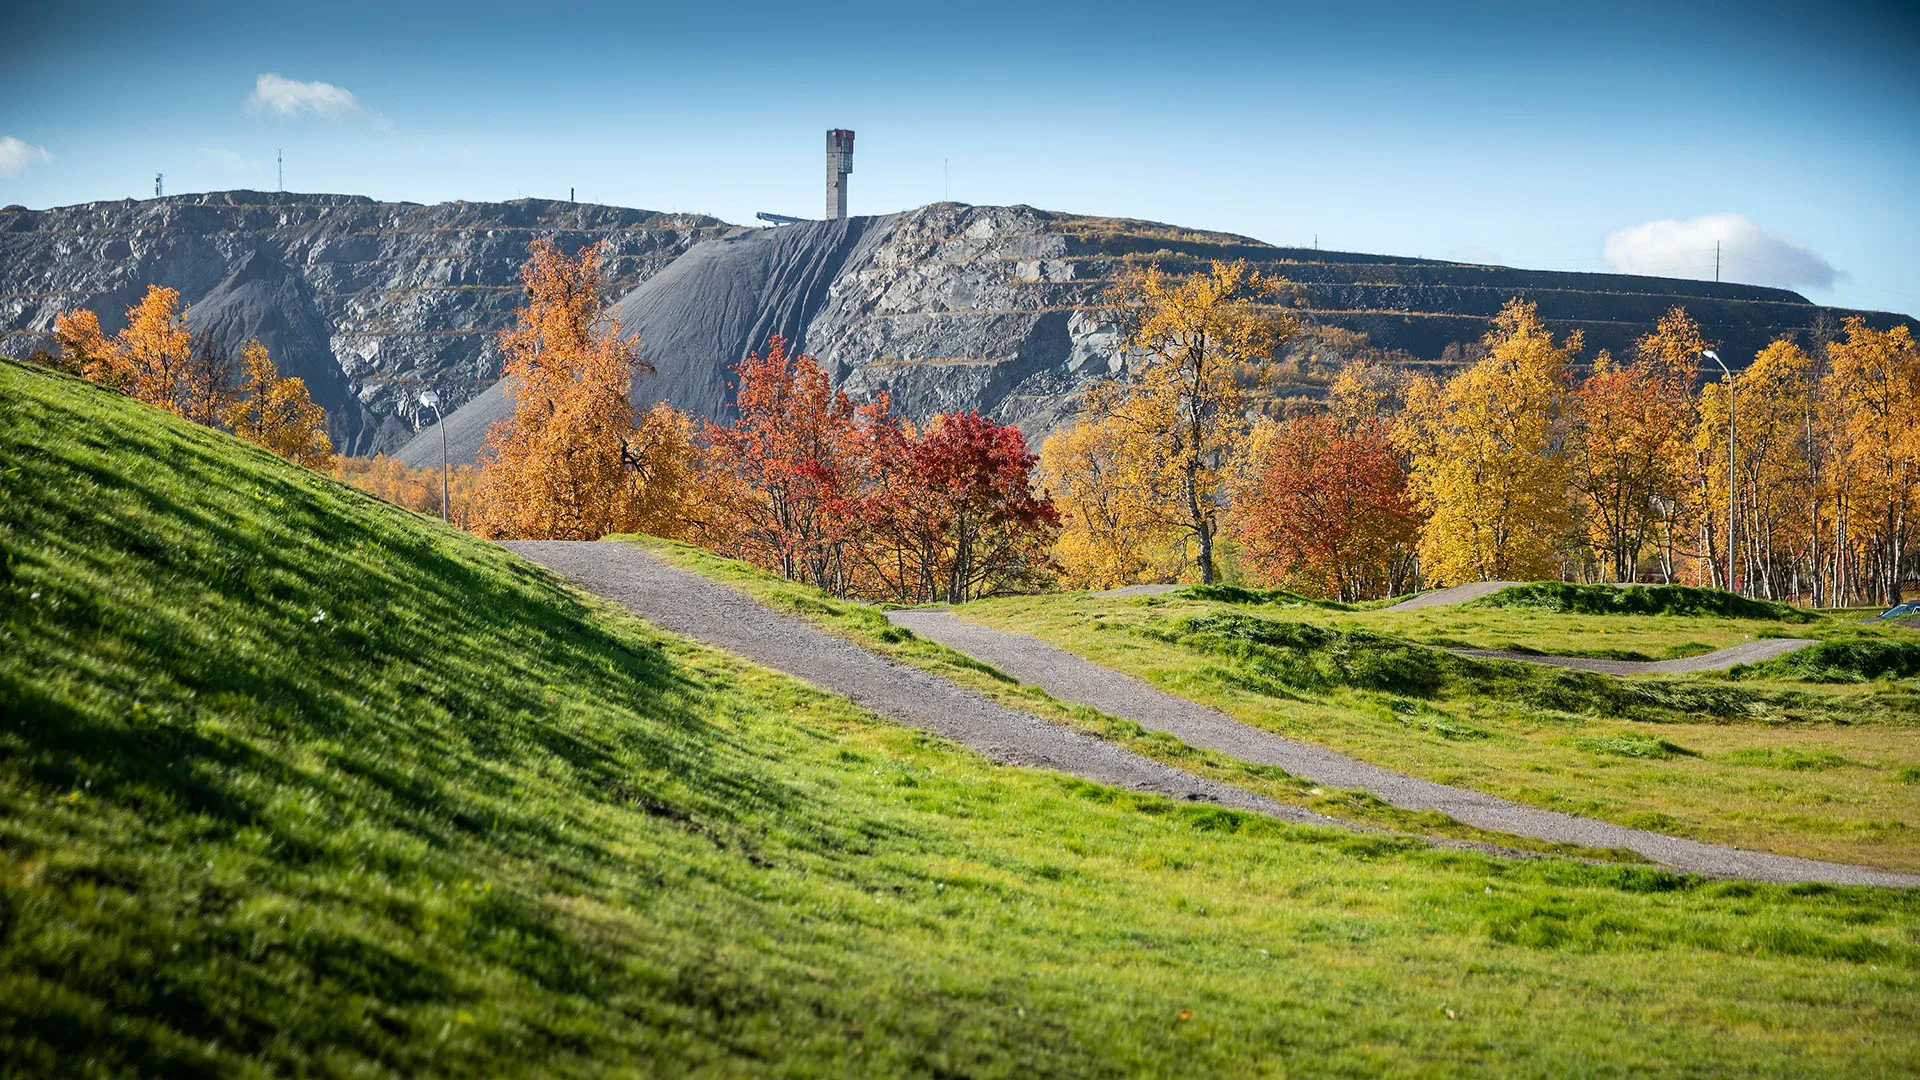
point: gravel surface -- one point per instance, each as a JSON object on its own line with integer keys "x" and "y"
{"x": 1473, "y": 590}
{"x": 1748, "y": 652}
{"x": 689, "y": 604}
{"x": 1139, "y": 590}
{"x": 1071, "y": 678}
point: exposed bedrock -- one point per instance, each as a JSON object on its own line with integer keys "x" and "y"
{"x": 944, "y": 307}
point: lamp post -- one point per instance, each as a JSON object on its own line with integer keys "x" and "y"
{"x": 431, "y": 400}
{"x": 1726, "y": 377}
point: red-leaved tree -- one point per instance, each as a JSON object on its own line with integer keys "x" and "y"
{"x": 950, "y": 514}
{"x": 859, "y": 502}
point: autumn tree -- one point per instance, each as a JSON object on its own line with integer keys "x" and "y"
{"x": 415, "y": 489}
{"x": 1112, "y": 489}
{"x": 1487, "y": 456}
{"x": 1326, "y": 510}
{"x": 206, "y": 384}
{"x": 155, "y": 359}
{"x": 275, "y": 412}
{"x": 1193, "y": 343}
{"x": 1627, "y": 445}
{"x": 664, "y": 457}
{"x": 949, "y": 513}
{"x": 1875, "y": 382}
{"x": 1772, "y": 471}
{"x": 777, "y": 478}
{"x": 569, "y": 463}
{"x": 87, "y": 352}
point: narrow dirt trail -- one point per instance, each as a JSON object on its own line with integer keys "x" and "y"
{"x": 1747, "y": 652}
{"x": 686, "y": 603}
{"x": 1072, "y": 678}
{"x": 1458, "y": 594}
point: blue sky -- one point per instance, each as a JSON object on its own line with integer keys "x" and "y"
{"x": 1618, "y": 136}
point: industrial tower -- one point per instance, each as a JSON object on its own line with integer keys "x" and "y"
{"x": 839, "y": 164}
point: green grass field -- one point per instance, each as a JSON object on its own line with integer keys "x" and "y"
{"x": 1800, "y": 756}
{"x": 292, "y": 781}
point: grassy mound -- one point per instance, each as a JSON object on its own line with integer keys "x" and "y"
{"x": 292, "y": 781}
{"x": 1238, "y": 594}
{"x": 1856, "y": 660}
{"x": 1568, "y": 598}
{"x": 1282, "y": 656}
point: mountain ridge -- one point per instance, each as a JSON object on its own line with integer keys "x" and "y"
{"x": 946, "y": 306}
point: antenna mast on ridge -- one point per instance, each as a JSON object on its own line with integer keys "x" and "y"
{"x": 280, "y": 168}
{"x": 157, "y": 177}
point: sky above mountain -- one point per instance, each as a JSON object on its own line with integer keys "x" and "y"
{"x": 1620, "y": 136}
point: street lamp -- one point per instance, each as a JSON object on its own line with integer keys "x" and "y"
{"x": 1727, "y": 377}
{"x": 431, "y": 400}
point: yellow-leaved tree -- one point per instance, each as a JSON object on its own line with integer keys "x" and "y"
{"x": 1875, "y": 386}
{"x": 1170, "y": 425}
{"x": 1487, "y": 456}
{"x": 1112, "y": 487}
{"x": 570, "y": 463}
{"x": 277, "y": 412}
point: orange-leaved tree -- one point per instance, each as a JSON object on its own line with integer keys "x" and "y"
{"x": 1113, "y": 488}
{"x": 1627, "y": 447}
{"x": 567, "y": 464}
{"x": 155, "y": 359}
{"x": 416, "y": 489}
{"x": 1325, "y": 509}
{"x": 1876, "y": 381}
{"x": 277, "y": 413}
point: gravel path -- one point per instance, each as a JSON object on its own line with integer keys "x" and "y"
{"x": 1071, "y": 678}
{"x": 1472, "y": 590}
{"x": 686, "y": 603}
{"x": 1747, "y": 652}
{"x": 1138, "y": 590}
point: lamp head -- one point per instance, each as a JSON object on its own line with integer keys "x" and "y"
{"x": 430, "y": 400}
{"x": 1711, "y": 355}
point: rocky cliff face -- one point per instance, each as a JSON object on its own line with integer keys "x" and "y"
{"x": 945, "y": 307}
{"x": 369, "y": 302}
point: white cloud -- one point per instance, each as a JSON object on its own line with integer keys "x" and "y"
{"x": 16, "y": 156}
{"x": 290, "y": 97}
{"x": 1748, "y": 253}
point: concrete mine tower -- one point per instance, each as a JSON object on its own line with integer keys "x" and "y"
{"x": 839, "y": 164}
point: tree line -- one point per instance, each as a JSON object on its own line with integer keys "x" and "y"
{"x": 802, "y": 482}
{"x": 1521, "y": 465}
{"x": 1524, "y": 463}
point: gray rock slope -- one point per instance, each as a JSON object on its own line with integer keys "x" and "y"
{"x": 944, "y": 307}
{"x": 369, "y": 302}
{"x": 705, "y": 311}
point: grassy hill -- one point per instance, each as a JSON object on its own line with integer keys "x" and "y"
{"x": 1816, "y": 754}
{"x": 295, "y": 781}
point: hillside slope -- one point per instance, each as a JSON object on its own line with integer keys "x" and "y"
{"x": 369, "y": 302}
{"x": 945, "y": 307}
{"x": 292, "y": 781}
